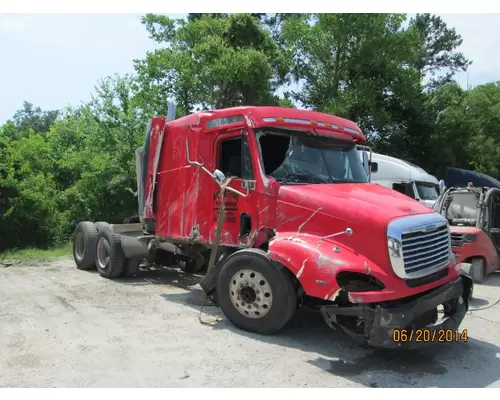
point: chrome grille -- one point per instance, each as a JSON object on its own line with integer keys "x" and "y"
{"x": 424, "y": 250}
{"x": 419, "y": 245}
{"x": 457, "y": 239}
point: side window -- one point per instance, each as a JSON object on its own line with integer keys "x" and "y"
{"x": 405, "y": 188}
{"x": 409, "y": 190}
{"x": 399, "y": 187}
{"x": 235, "y": 159}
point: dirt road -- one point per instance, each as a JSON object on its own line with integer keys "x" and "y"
{"x": 60, "y": 327}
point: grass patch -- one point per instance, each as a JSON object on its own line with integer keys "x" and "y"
{"x": 37, "y": 254}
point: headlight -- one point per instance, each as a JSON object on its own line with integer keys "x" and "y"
{"x": 394, "y": 247}
{"x": 470, "y": 237}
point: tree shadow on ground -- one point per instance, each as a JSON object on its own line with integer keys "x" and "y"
{"x": 471, "y": 364}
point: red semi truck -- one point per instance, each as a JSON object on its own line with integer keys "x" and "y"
{"x": 279, "y": 202}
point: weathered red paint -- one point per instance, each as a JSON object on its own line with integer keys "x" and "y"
{"x": 186, "y": 199}
{"x": 362, "y": 207}
{"x": 157, "y": 129}
{"x": 482, "y": 247}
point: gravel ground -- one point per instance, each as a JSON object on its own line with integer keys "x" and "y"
{"x": 61, "y": 327}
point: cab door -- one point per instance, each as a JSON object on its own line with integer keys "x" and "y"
{"x": 233, "y": 158}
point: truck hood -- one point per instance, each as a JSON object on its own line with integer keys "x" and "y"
{"x": 352, "y": 201}
{"x": 325, "y": 209}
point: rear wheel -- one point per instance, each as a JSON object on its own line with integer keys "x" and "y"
{"x": 100, "y": 225}
{"x": 110, "y": 260}
{"x": 255, "y": 293}
{"x": 84, "y": 245}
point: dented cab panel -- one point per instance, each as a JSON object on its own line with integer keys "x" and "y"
{"x": 325, "y": 267}
{"x": 182, "y": 202}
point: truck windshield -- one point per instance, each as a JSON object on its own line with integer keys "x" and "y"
{"x": 298, "y": 158}
{"x": 462, "y": 209}
{"x": 427, "y": 190}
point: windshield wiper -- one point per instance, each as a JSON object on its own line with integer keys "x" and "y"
{"x": 300, "y": 177}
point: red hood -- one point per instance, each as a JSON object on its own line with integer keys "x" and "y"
{"x": 364, "y": 207}
{"x": 353, "y": 201}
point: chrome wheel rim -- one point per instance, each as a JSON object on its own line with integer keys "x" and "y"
{"x": 103, "y": 253}
{"x": 251, "y": 293}
{"x": 79, "y": 246}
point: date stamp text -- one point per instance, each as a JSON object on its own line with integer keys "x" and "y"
{"x": 430, "y": 336}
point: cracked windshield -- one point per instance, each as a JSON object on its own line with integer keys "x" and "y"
{"x": 298, "y": 158}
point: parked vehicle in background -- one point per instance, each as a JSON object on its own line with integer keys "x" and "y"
{"x": 406, "y": 178}
{"x": 474, "y": 217}
{"x": 457, "y": 177}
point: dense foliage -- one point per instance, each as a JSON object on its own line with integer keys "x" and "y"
{"x": 391, "y": 75}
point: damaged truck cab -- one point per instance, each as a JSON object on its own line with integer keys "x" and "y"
{"x": 280, "y": 200}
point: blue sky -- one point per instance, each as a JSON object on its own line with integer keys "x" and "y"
{"x": 53, "y": 60}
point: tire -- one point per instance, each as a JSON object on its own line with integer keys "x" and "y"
{"x": 194, "y": 264}
{"x": 110, "y": 260}
{"x": 132, "y": 266}
{"x": 85, "y": 245}
{"x": 100, "y": 225}
{"x": 479, "y": 269}
{"x": 273, "y": 311}
{"x": 475, "y": 270}
{"x": 468, "y": 269}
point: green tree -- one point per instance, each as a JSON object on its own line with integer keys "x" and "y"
{"x": 352, "y": 65}
{"x": 210, "y": 62}
{"x": 34, "y": 118}
{"x": 437, "y": 57}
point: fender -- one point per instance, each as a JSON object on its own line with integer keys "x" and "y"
{"x": 316, "y": 263}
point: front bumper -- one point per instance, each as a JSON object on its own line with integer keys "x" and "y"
{"x": 381, "y": 321}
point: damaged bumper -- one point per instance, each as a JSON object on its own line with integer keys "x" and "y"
{"x": 399, "y": 325}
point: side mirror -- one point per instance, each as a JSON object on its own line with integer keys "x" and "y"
{"x": 373, "y": 166}
{"x": 442, "y": 186}
{"x": 365, "y": 161}
{"x": 219, "y": 176}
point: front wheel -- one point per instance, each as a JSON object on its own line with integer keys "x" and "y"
{"x": 256, "y": 294}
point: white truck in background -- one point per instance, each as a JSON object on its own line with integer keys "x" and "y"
{"x": 403, "y": 176}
